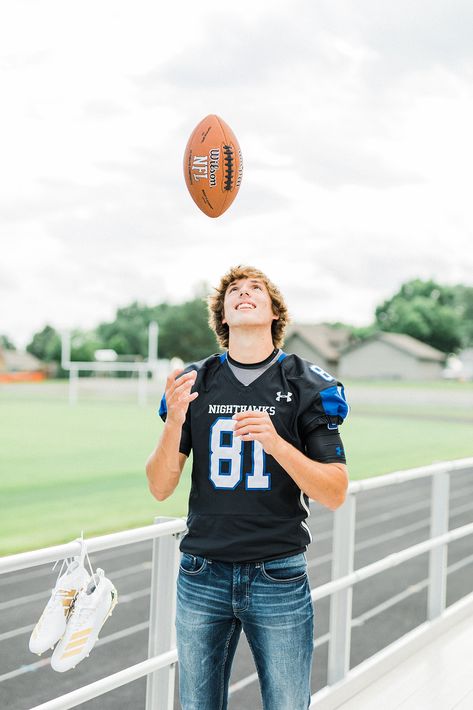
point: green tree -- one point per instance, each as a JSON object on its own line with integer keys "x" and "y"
{"x": 6, "y": 343}
{"x": 128, "y": 333}
{"x": 186, "y": 334}
{"x": 183, "y": 329}
{"x": 46, "y": 345}
{"x": 425, "y": 310}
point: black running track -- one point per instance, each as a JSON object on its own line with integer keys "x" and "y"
{"x": 384, "y": 607}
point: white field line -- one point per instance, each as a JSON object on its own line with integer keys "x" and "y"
{"x": 321, "y": 559}
{"x": 392, "y": 515}
{"x": 46, "y": 661}
{"x": 13, "y": 577}
{"x": 239, "y": 685}
{"x": 362, "y": 508}
{"x": 360, "y": 620}
{"x": 124, "y": 599}
{"x": 125, "y": 572}
{"x": 393, "y": 534}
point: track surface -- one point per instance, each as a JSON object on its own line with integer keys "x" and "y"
{"x": 384, "y": 607}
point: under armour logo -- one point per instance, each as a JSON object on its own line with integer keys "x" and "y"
{"x": 280, "y": 395}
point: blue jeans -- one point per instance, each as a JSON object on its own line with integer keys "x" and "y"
{"x": 271, "y": 601}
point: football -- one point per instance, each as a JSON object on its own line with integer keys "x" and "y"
{"x": 213, "y": 166}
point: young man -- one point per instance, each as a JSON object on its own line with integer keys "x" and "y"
{"x": 263, "y": 428}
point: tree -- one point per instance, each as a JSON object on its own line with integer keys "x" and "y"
{"x": 186, "y": 334}
{"x": 425, "y": 310}
{"x": 6, "y": 343}
{"x": 128, "y": 333}
{"x": 183, "y": 330}
{"x": 46, "y": 345}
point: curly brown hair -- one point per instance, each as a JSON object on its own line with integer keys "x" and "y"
{"x": 215, "y": 305}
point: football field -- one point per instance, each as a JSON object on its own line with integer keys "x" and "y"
{"x": 66, "y": 468}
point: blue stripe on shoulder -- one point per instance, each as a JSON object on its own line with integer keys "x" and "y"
{"x": 223, "y": 357}
{"x": 334, "y": 402}
{"x": 282, "y": 356}
{"x": 163, "y": 408}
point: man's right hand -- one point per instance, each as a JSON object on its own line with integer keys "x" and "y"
{"x": 178, "y": 396}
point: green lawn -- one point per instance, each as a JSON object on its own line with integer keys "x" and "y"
{"x": 65, "y": 469}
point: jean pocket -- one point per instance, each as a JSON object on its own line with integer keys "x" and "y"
{"x": 286, "y": 569}
{"x": 192, "y": 564}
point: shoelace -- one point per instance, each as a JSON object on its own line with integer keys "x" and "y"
{"x": 79, "y": 613}
{"x": 56, "y": 596}
{"x": 70, "y": 560}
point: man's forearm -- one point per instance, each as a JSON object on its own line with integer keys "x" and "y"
{"x": 162, "y": 467}
{"x": 323, "y": 482}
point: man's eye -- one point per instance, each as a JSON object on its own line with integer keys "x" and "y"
{"x": 256, "y": 286}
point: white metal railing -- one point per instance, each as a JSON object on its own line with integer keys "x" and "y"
{"x": 166, "y": 533}
{"x": 160, "y": 666}
{"x": 343, "y": 577}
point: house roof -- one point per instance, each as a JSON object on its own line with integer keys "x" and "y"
{"x": 327, "y": 340}
{"x": 403, "y": 342}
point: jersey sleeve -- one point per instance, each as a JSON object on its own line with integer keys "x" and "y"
{"x": 322, "y": 401}
{"x": 185, "y": 445}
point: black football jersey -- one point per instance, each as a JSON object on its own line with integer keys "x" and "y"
{"x": 243, "y": 506}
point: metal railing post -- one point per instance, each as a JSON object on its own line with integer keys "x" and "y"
{"x": 142, "y": 387}
{"x": 73, "y": 385}
{"x": 162, "y": 632}
{"x": 340, "y": 602}
{"x": 438, "y": 556}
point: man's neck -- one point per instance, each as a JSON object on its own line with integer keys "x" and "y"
{"x": 250, "y": 347}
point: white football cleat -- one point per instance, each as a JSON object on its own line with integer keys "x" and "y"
{"x": 52, "y": 622}
{"x": 92, "y": 607}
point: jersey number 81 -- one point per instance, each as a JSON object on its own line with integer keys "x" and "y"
{"x": 226, "y": 459}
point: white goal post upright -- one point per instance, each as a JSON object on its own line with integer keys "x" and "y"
{"x": 142, "y": 368}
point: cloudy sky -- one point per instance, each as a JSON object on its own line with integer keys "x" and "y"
{"x": 354, "y": 119}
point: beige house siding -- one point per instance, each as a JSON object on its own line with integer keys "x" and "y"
{"x": 378, "y": 359}
{"x": 298, "y": 346}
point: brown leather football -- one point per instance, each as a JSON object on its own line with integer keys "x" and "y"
{"x": 213, "y": 166}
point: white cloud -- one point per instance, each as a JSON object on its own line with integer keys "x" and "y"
{"x": 354, "y": 120}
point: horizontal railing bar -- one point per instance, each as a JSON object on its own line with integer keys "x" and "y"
{"x": 392, "y": 560}
{"x": 22, "y": 560}
{"x": 104, "y": 685}
{"x": 175, "y": 525}
{"x": 116, "y": 366}
{"x": 388, "y": 479}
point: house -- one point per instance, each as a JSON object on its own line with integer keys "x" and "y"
{"x": 393, "y": 356}
{"x": 318, "y": 343}
{"x": 20, "y": 366}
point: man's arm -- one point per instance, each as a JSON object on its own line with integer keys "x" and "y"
{"x": 323, "y": 482}
{"x": 326, "y": 483}
{"x": 166, "y": 463}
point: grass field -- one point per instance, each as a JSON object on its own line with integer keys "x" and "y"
{"x": 65, "y": 469}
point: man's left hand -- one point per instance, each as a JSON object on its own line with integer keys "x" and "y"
{"x": 256, "y": 425}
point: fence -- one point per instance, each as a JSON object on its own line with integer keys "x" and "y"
{"x": 165, "y": 533}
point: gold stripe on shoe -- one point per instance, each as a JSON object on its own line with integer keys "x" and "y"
{"x": 78, "y": 642}
{"x": 79, "y": 634}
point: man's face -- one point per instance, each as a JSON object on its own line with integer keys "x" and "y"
{"x": 247, "y": 301}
